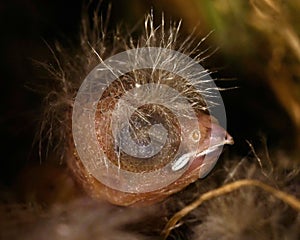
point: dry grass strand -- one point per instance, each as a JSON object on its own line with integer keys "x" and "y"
{"x": 230, "y": 187}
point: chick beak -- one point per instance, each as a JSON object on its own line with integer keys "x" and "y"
{"x": 210, "y": 149}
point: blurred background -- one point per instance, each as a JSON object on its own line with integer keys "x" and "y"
{"x": 258, "y": 52}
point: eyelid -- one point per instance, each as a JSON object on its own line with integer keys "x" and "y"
{"x": 183, "y": 161}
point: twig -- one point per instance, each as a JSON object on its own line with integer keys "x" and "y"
{"x": 287, "y": 198}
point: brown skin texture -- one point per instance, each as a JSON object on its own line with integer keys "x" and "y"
{"x": 100, "y": 191}
{"x": 45, "y": 184}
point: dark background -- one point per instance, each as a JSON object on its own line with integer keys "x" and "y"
{"x": 25, "y": 24}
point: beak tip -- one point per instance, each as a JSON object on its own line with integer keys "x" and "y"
{"x": 228, "y": 139}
